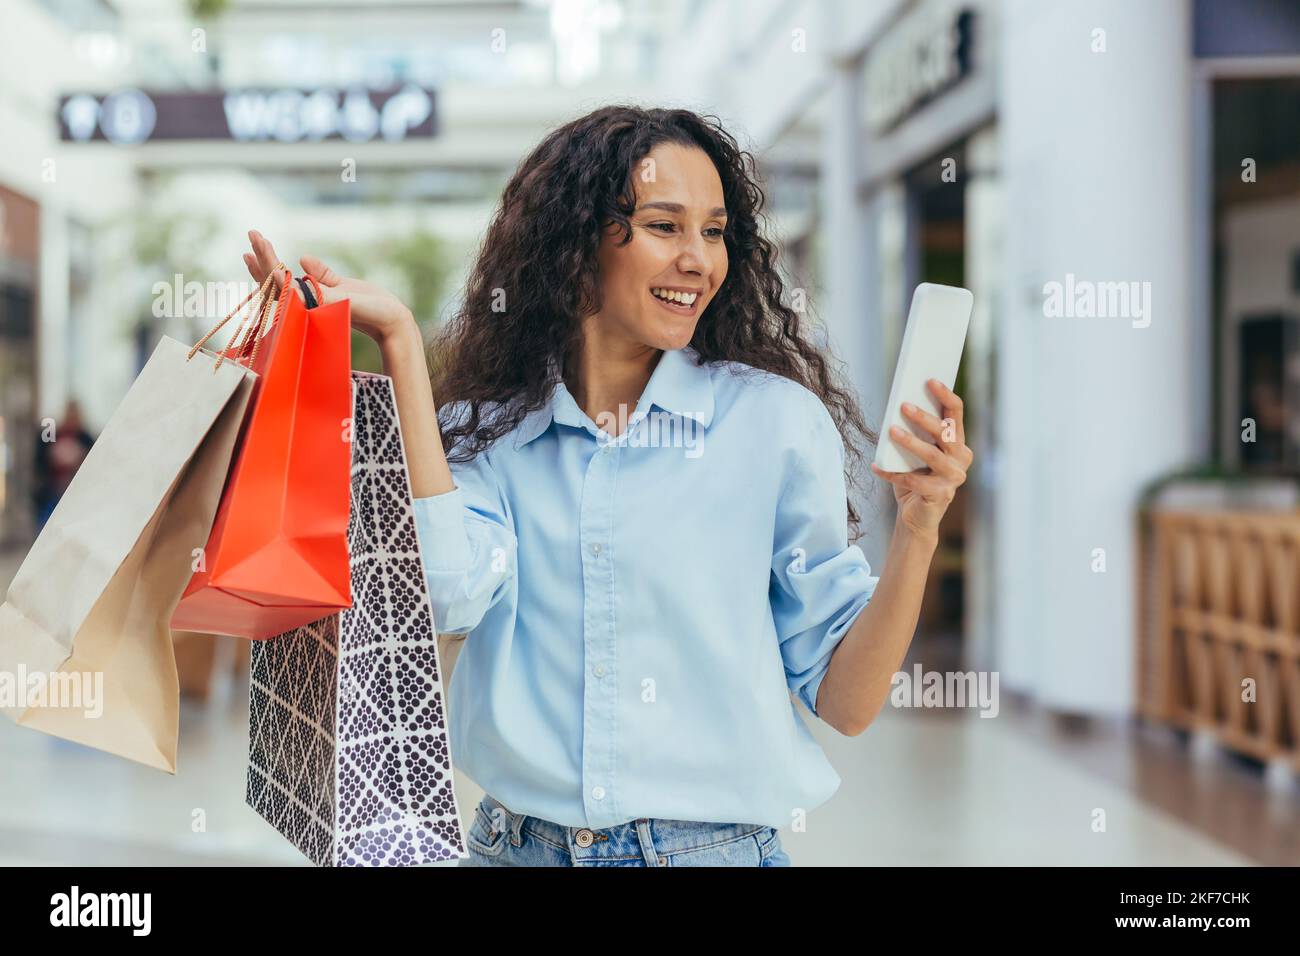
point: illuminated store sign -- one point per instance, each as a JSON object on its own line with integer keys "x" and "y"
{"x": 127, "y": 117}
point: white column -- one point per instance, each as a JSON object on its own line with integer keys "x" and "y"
{"x": 1095, "y": 150}
{"x": 983, "y": 277}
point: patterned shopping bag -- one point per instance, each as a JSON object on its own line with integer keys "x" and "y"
{"x": 348, "y": 751}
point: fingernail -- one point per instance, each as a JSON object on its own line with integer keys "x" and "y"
{"x": 909, "y": 407}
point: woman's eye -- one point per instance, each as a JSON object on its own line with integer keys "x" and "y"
{"x": 712, "y": 232}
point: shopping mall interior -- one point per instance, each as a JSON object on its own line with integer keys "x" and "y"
{"x": 1125, "y": 556}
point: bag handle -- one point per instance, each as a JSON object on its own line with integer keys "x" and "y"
{"x": 312, "y": 300}
{"x": 244, "y": 334}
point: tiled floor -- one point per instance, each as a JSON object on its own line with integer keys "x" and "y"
{"x": 918, "y": 788}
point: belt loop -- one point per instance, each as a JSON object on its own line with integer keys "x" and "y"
{"x": 516, "y": 829}
{"x": 515, "y": 822}
{"x": 652, "y": 857}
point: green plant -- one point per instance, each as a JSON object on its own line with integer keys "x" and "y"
{"x": 208, "y": 9}
{"x": 417, "y": 264}
{"x": 1213, "y": 471}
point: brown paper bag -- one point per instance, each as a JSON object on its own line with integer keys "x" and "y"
{"x": 88, "y": 611}
{"x": 196, "y": 659}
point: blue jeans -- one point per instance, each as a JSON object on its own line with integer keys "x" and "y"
{"x": 498, "y": 837}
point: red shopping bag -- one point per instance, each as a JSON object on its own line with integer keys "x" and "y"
{"x": 277, "y": 556}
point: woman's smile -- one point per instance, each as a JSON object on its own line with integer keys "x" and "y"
{"x": 677, "y": 299}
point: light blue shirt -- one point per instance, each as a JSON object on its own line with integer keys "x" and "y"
{"x": 643, "y": 609}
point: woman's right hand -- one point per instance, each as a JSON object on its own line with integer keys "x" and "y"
{"x": 374, "y": 311}
{"x": 381, "y": 316}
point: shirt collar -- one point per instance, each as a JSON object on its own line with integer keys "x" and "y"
{"x": 676, "y": 385}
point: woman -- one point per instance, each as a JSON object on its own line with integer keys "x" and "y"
{"x": 642, "y": 512}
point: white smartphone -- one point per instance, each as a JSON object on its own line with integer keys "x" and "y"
{"x": 932, "y": 344}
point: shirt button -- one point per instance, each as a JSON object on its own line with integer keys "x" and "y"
{"x": 584, "y": 837}
{"x": 599, "y": 670}
{"x": 598, "y": 793}
{"x": 595, "y": 549}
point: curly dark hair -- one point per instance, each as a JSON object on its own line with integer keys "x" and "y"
{"x": 540, "y": 254}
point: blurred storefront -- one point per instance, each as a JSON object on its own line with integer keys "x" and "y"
{"x": 1221, "y": 543}
{"x": 1247, "y": 95}
{"x": 19, "y": 254}
{"x": 59, "y": 255}
{"x": 929, "y": 183}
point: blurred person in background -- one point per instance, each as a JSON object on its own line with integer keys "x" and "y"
{"x": 60, "y": 450}
{"x": 626, "y": 268}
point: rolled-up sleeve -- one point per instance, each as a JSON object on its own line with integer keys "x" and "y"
{"x": 468, "y": 546}
{"x": 819, "y": 581}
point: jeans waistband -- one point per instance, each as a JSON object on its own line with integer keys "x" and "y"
{"x": 669, "y": 836}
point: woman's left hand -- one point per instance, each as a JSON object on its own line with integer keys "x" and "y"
{"x": 923, "y": 496}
